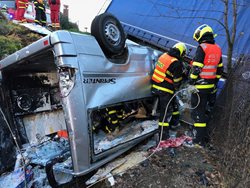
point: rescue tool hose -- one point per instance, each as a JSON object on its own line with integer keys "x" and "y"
{"x": 17, "y": 145}
{"x": 165, "y": 113}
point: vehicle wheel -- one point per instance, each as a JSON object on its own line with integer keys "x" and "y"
{"x": 109, "y": 33}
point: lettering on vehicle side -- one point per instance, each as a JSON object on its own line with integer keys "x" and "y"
{"x": 99, "y": 80}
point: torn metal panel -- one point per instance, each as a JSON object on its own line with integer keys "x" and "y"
{"x": 36, "y": 127}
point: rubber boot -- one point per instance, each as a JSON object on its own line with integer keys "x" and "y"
{"x": 165, "y": 133}
{"x": 201, "y": 136}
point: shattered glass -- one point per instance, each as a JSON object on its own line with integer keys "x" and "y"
{"x": 103, "y": 142}
{"x": 48, "y": 150}
{"x": 66, "y": 81}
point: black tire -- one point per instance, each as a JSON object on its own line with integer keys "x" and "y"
{"x": 109, "y": 33}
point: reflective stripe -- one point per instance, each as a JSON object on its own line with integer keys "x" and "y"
{"x": 214, "y": 91}
{"x": 220, "y": 65}
{"x": 169, "y": 73}
{"x": 209, "y": 86}
{"x": 169, "y": 80}
{"x": 161, "y": 70}
{"x": 178, "y": 79}
{"x": 207, "y": 73}
{"x": 211, "y": 60}
{"x": 163, "y": 124}
{"x": 176, "y": 113}
{"x": 198, "y": 64}
{"x": 210, "y": 67}
{"x": 163, "y": 89}
{"x": 158, "y": 78}
{"x": 107, "y": 129}
{"x": 160, "y": 73}
{"x": 193, "y": 76}
{"x": 41, "y": 7}
{"x": 112, "y": 112}
{"x": 114, "y": 122}
{"x": 218, "y": 76}
{"x": 57, "y": 25}
{"x": 200, "y": 124}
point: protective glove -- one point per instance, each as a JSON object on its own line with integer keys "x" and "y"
{"x": 191, "y": 81}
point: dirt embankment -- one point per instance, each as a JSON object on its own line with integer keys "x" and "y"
{"x": 13, "y": 37}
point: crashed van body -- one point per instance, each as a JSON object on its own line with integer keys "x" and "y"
{"x": 61, "y": 81}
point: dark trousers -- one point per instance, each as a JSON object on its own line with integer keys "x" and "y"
{"x": 167, "y": 119}
{"x": 199, "y": 116}
{"x": 40, "y": 17}
{"x": 175, "y": 119}
{"x": 210, "y": 104}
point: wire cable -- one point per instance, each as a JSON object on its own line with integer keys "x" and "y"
{"x": 17, "y": 145}
{"x": 165, "y": 113}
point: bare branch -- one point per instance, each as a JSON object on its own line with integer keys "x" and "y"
{"x": 234, "y": 20}
{"x": 226, "y": 20}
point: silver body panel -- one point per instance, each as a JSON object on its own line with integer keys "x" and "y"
{"x": 98, "y": 82}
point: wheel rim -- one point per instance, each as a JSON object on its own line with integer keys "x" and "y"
{"x": 112, "y": 33}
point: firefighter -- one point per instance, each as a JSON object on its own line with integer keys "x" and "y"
{"x": 54, "y": 13}
{"x": 113, "y": 117}
{"x": 207, "y": 68}
{"x": 21, "y": 6}
{"x": 40, "y": 12}
{"x": 166, "y": 80}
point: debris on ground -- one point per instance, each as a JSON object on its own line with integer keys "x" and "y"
{"x": 176, "y": 166}
{"x": 16, "y": 178}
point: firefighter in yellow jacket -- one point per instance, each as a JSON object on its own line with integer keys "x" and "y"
{"x": 207, "y": 68}
{"x": 40, "y": 12}
{"x": 166, "y": 80}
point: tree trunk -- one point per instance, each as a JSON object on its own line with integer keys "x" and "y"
{"x": 229, "y": 57}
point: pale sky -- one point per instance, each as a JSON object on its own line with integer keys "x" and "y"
{"x": 83, "y": 11}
